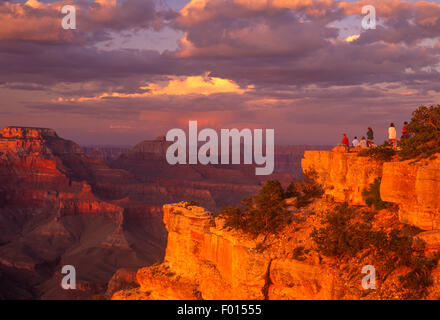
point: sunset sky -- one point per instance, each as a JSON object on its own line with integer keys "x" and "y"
{"x": 133, "y": 69}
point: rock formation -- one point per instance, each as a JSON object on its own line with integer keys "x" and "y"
{"x": 344, "y": 175}
{"x": 415, "y": 187}
{"x": 206, "y": 261}
{"x": 212, "y": 186}
{"x": 60, "y": 205}
{"x": 50, "y": 216}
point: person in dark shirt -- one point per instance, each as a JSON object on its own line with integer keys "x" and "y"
{"x": 370, "y": 137}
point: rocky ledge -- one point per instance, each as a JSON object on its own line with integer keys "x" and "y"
{"x": 205, "y": 261}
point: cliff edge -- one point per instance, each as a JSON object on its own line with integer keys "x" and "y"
{"x": 204, "y": 260}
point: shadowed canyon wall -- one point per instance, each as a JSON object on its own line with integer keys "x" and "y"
{"x": 100, "y": 210}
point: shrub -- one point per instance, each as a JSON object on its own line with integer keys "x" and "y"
{"x": 263, "y": 213}
{"x": 423, "y": 139}
{"x": 419, "y": 279}
{"x": 304, "y": 191}
{"x": 372, "y": 196}
{"x": 383, "y": 152}
{"x": 298, "y": 253}
{"x": 342, "y": 236}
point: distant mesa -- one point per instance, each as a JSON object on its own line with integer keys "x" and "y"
{"x": 26, "y": 132}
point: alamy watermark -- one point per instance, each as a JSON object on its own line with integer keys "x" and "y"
{"x": 369, "y": 281}
{"x": 69, "y": 21}
{"x": 69, "y": 280}
{"x": 208, "y": 153}
{"x": 369, "y": 21}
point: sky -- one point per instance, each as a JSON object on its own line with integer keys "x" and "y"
{"x": 134, "y": 69}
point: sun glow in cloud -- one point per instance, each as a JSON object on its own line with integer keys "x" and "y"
{"x": 178, "y": 86}
{"x": 204, "y": 85}
{"x": 352, "y": 38}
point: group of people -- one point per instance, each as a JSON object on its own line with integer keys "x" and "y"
{"x": 364, "y": 143}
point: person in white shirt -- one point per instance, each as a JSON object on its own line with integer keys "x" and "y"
{"x": 355, "y": 142}
{"x": 363, "y": 143}
{"x": 392, "y": 134}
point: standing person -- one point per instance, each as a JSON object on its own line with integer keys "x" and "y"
{"x": 370, "y": 137}
{"x": 392, "y": 134}
{"x": 363, "y": 143}
{"x": 345, "y": 140}
{"x": 355, "y": 142}
{"x": 404, "y": 131}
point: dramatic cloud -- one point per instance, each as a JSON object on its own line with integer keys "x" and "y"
{"x": 38, "y": 21}
{"x": 303, "y": 67}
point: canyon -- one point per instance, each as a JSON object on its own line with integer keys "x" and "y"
{"x": 205, "y": 260}
{"x": 100, "y": 210}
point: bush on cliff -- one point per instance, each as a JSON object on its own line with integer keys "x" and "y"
{"x": 383, "y": 152}
{"x": 423, "y": 138}
{"x": 304, "y": 190}
{"x": 263, "y": 213}
{"x": 339, "y": 236}
{"x": 347, "y": 232}
{"x": 372, "y": 196}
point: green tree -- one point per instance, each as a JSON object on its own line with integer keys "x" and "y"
{"x": 423, "y": 134}
{"x": 372, "y": 196}
{"x": 384, "y": 152}
{"x": 340, "y": 236}
{"x": 304, "y": 190}
{"x": 263, "y": 213}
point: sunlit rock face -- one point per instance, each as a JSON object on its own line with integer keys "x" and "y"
{"x": 343, "y": 175}
{"x": 53, "y": 198}
{"x": 415, "y": 187}
{"x": 205, "y": 261}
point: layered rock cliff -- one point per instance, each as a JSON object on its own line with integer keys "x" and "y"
{"x": 205, "y": 261}
{"x": 50, "y": 216}
{"x": 344, "y": 175}
{"x": 412, "y": 185}
{"x": 59, "y": 205}
{"x": 212, "y": 186}
{"x": 415, "y": 187}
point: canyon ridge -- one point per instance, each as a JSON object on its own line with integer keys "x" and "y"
{"x": 100, "y": 209}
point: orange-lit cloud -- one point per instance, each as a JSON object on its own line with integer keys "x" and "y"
{"x": 352, "y": 38}
{"x": 176, "y": 86}
{"x": 204, "y": 85}
{"x": 38, "y": 21}
{"x": 197, "y": 11}
{"x": 32, "y": 20}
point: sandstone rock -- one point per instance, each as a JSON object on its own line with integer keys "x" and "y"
{"x": 415, "y": 187}
{"x": 161, "y": 283}
{"x": 123, "y": 279}
{"x": 344, "y": 175}
{"x": 431, "y": 239}
{"x": 297, "y": 280}
{"x": 203, "y": 260}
